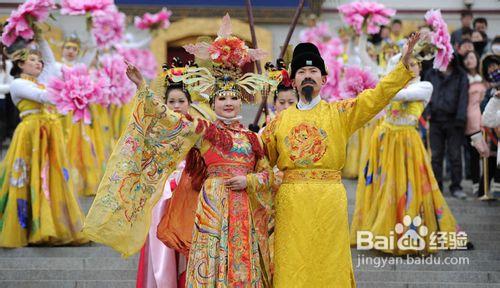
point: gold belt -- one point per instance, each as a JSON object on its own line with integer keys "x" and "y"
{"x": 312, "y": 175}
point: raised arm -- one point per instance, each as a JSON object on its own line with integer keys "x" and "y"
{"x": 155, "y": 141}
{"x": 46, "y": 51}
{"x": 354, "y": 113}
{"x": 50, "y": 66}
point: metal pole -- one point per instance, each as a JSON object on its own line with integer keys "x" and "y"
{"x": 292, "y": 27}
{"x": 252, "y": 32}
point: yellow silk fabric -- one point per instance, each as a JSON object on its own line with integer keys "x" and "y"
{"x": 312, "y": 232}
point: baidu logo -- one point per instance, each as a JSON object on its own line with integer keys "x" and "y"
{"x": 411, "y": 235}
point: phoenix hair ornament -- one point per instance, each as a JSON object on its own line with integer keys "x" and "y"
{"x": 279, "y": 74}
{"x": 171, "y": 75}
{"x": 228, "y": 54}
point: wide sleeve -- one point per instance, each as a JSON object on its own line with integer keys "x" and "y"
{"x": 259, "y": 185}
{"x": 354, "y": 113}
{"x": 50, "y": 66}
{"x": 20, "y": 90}
{"x": 269, "y": 141}
{"x": 261, "y": 198}
{"x": 420, "y": 91}
{"x": 491, "y": 114}
{"x": 155, "y": 141}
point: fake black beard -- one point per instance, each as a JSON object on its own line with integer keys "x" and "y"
{"x": 307, "y": 91}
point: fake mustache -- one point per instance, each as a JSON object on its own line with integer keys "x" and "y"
{"x": 308, "y": 81}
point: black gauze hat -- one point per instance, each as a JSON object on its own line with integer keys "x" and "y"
{"x": 306, "y": 54}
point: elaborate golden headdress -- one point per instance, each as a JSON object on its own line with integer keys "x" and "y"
{"x": 166, "y": 77}
{"x": 228, "y": 54}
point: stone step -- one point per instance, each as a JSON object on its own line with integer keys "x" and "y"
{"x": 361, "y": 263}
{"x": 493, "y": 235}
{"x": 131, "y": 284}
{"x": 67, "y": 263}
{"x": 488, "y": 245}
{"x": 480, "y": 227}
{"x": 67, "y": 284}
{"x": 391, "y": 264}
{"x": 81, "y": 251}
{"x": 473, "y": 255}
{"x": 361, "y": 284}
{"x": 428, "y": 276}
{"x": 69, "y": 274}
{"x": 64, "y": 276}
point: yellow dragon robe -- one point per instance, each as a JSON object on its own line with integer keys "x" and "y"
{"x": 311, "y": 221}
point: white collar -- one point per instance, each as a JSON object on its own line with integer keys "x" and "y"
{"x": 308, "y": 106}
{"x": 229, "y": 120}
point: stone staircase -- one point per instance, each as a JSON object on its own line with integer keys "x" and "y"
{"x": 94, "y": 265}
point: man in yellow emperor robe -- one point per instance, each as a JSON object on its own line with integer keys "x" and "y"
{"x": 308, "y": 143}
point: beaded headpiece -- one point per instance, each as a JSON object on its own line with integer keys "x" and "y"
{"x": 228, "y": 55}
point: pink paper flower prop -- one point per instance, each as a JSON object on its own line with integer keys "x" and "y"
{"x": 317, "y": 34}
{"x": 82, "y": 7}
{"x": 23, "y": 21}
{"x": 74, "y": 92}
{"x": 366, "y": 13}
{"x": 330, "y": 49}
{"x": 108, "y": 27}
{"x": 117, "y": 88}
{"x": 440, "y": 38}
{"x": 143, "y": 59}
{"x": 330, "y": 92}
{"x": 160, "y": 20}
{"x": 321, "y": 36}
{"x": 355, "y": 81}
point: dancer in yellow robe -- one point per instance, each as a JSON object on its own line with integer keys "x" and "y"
{"x": 398, "y": 181}
{"x": 37, "y": 201}
{"x": 307, "y": 143}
